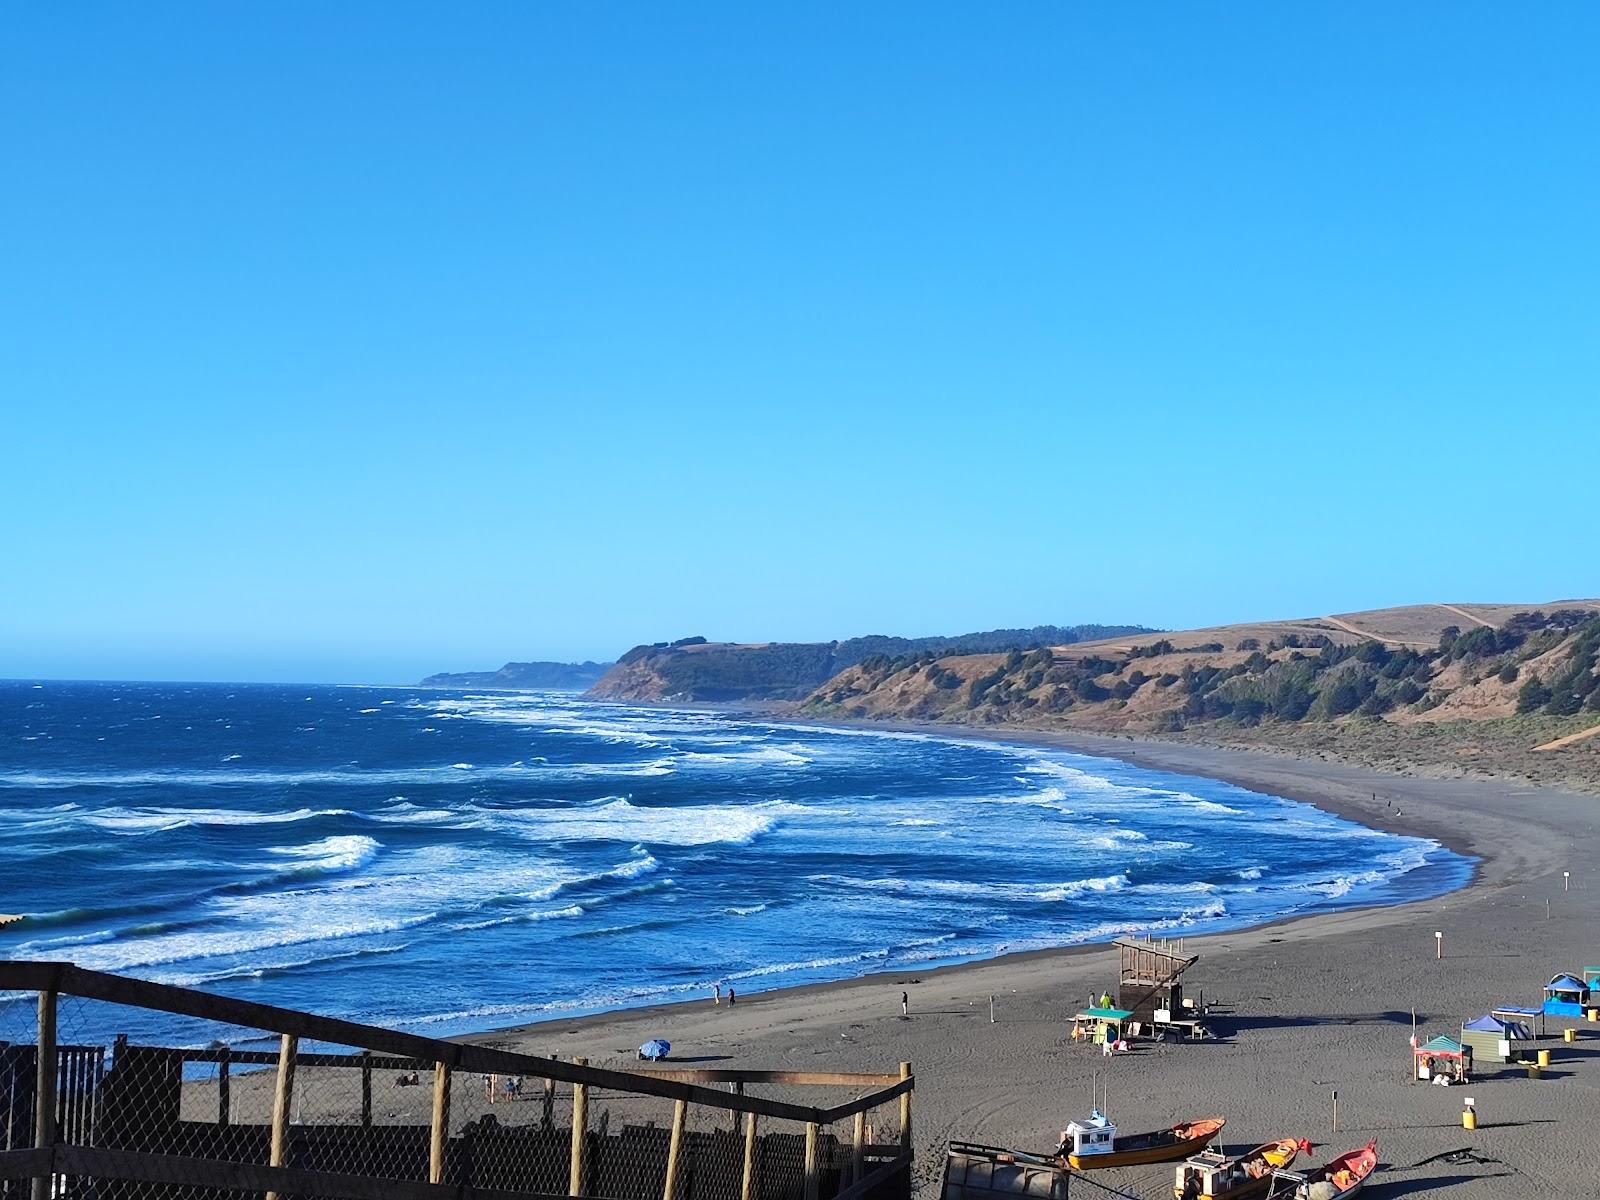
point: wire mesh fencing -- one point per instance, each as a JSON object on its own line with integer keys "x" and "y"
{"x": 226, "y": 1098}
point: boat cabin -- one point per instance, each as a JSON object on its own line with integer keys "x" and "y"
{"x": 1212, "y": 1174}
{"x": 1092, "y": 1135}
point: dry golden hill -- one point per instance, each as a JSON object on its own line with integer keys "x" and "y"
{"x": 1470, "y": 682}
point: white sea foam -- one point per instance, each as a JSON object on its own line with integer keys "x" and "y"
{"x": 344, "y": 853}
{"x": 618, "y": 819}
{"x": 965, "y": 889}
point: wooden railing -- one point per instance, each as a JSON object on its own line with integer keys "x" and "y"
{"x": 870, "y": 1171}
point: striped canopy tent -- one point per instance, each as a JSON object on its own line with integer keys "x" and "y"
{"x": 1442, "y": 1047}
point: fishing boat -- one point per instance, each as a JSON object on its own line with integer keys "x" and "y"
{"x": 1094, "y": 1142}
{"x": 1335, "y": 1180}
{"x": 1216, "y": 1176}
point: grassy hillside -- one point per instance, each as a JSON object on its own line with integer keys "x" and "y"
{"x": 695, "y": 669}
{"x": 1436, "y": 676}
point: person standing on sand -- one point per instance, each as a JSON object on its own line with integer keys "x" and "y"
{"x": 905, "y": 1004}
{"x": 730, "y": 997}
{"x": 716, "y": 993}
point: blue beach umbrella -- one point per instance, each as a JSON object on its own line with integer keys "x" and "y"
{"x": 655, "y": 1049}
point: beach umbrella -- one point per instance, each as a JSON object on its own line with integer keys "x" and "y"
{"x": 655, "y": 1049}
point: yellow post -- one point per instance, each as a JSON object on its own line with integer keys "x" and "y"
{"x": 812, "y": 1131}
{"x": 580, "y": 1129}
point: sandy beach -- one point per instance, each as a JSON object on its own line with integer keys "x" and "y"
{"x": 1303, "y": 1007}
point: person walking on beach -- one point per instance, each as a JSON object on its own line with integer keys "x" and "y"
{"x": 716, "y": 993}
{"x": 905, "y": 1004}
{"x": 730, "y": 996}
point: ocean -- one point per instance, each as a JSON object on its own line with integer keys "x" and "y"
{"x": 448, "y": 861}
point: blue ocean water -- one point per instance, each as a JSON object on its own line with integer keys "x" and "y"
{"x": 448, "y": 861}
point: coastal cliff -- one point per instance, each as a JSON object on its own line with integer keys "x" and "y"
{"x": 555, "y": 676}
{"x": 694, "y": 669}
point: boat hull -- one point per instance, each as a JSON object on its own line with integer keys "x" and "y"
{"x": 1143, "y": 1155}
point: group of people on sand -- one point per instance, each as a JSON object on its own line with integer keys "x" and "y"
{"x": 716, "y": 994}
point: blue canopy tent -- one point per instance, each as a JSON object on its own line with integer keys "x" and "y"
{"x": 1564, "y": 996}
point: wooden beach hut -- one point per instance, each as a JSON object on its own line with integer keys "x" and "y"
{"x": 1566, "y": 996}
{"x": 1494, "y": 1039}
{"x": 1441, "y": 1058}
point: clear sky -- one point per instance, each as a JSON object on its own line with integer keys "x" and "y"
{"x": 358, "y": 341}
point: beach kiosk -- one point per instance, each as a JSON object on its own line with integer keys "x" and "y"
{"x": 1441, "y": 1058}
{"x": 1566, "y": 996}
{"x": 1494, "y": 1039}
{"x": 1102, "y": 1025}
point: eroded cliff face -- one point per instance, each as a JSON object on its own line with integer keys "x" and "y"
{"x": 719, "y": 671}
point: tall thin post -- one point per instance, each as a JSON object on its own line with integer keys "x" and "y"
{"x": 747, "y": 1186}
{"x": 366, "y": 1089}
{"x": 224, "y": 1084}
{"x": 1335, "y": 1110}
{"x": 905, "y": 1110}
{"x": 282, "y": 1101}
{"x": 44, "y": 1097}
{"x": 812, "y": 1130}
{"x": 580, "y": 1131}
{"x": 680, "y": 1112}
{"x": 858, "y": 1146}
{"x": 441, "y": 1123}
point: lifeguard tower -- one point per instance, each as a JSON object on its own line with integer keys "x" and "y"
{"x": 1149, "y": 988}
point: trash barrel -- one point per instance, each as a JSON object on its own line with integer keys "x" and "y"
{"x": 1569, "y": 1035}
{"x": 1534, "y": 1070}
{"x": 1593, "y": 1013}
{"x": 1469, "y": 1119}
{"x": 1544, "y": 1058}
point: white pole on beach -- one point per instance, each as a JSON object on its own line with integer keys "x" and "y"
{"x": 1438, "y": 943}
{"x": 991, "y": 1010}
{"x": 1566, "y": 880}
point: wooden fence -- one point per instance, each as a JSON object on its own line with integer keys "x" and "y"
{"x": 76, "y": 1121}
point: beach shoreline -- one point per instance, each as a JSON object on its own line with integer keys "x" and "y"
{"x": 1303, "y": 1005}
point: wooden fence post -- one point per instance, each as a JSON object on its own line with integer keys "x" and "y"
{"x": 680, "y": 1112}
{"x": 282, "y": 1099}
{"x": 224, "y": 1081}
{"x": 747, "y": 1187}
{"x": 44, "y": 1097}
{"x": 905, "y": 1110}
{"x": 580, "y": 1130}
{"x": 440, "y": 1140}
{"x": 858, "y": 1146}
{"x": 366, "y": 1089}
{"x": 812, "y": 1130}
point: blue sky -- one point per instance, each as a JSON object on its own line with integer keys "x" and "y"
{"x": 355, "y": 342}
